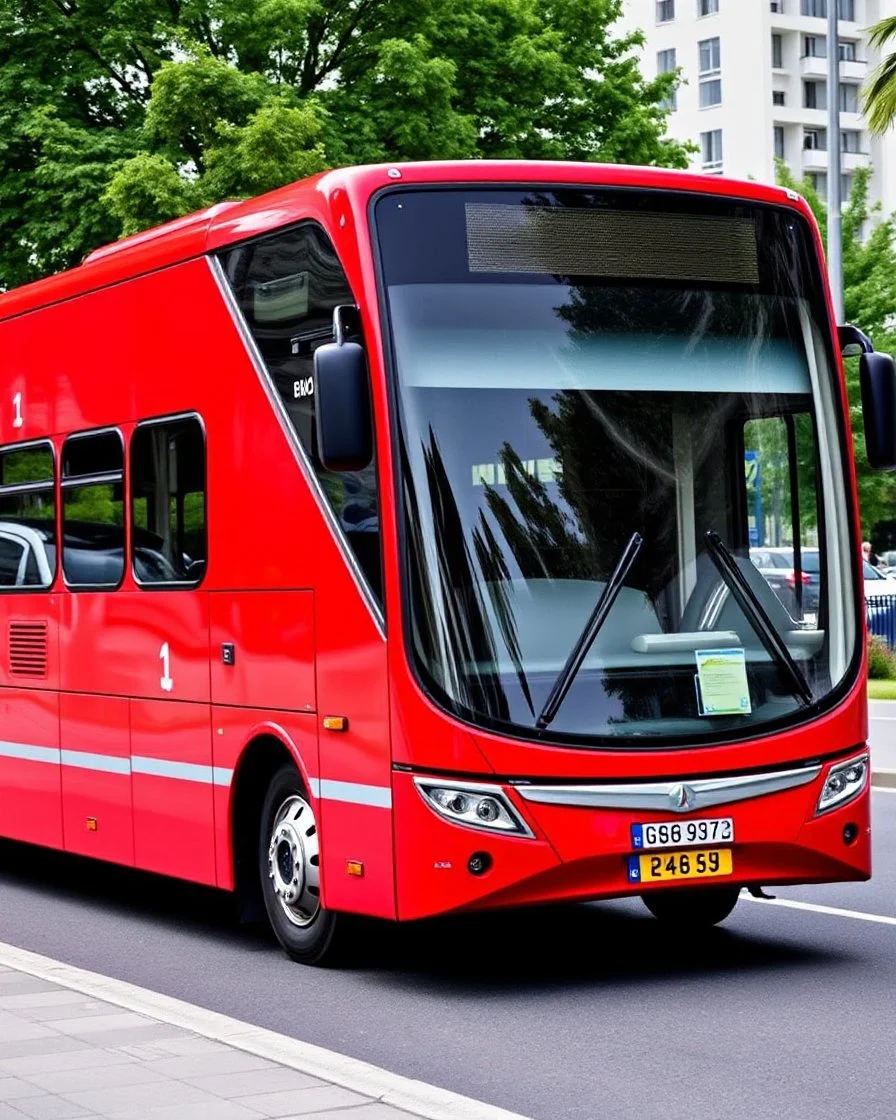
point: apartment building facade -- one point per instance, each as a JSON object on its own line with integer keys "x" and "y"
{"x": 755, "y": 85}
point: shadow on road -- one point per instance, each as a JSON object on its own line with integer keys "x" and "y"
{"x": 514, "y": 951}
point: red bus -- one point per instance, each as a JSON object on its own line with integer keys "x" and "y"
{"x": 383, "y": 546}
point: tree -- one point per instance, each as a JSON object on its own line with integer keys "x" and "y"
{"x": 869, "y": 297}
{"x": 118, "y": 114}
{"x": 880, "y": 95}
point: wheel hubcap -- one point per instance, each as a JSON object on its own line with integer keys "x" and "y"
{"x": 293, "y": 861}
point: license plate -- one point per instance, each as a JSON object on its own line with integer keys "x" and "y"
{"x": 681, "y": 834}
{"x": 653, "y": 867}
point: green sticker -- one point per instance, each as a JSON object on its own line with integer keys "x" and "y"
{"x": 722, "y": 682}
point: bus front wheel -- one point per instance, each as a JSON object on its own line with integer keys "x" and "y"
{"x": 289, "y": 867}
{"x": 692, "y": 909}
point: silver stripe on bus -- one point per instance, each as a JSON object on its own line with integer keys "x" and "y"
{"x": 85, "y": 760}
{"x": 680, "y": 795}
{"x": 221, "y": 776}
{"x": 29, "y": 753}
{"x": 356, "y": 793}
{"x": 165, "y": 768}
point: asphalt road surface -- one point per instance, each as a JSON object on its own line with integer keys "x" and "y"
{"x": 584, "y": 1013}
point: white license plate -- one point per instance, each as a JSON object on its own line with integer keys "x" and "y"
{"x": 675, "y": 834}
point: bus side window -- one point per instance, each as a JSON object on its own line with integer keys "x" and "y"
{"x": 168, "y": 502}
{"x": 287, "y": 286}
{"x": 93, "y": 509}
{"x": 27, "y": 517}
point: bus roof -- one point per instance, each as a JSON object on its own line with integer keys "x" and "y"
{"x": 229, "y": 222}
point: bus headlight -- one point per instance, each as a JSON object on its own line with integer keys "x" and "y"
{"x": 477, "y": 806}
{"x": 845, "y": 781}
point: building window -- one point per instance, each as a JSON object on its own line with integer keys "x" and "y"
{"x": 168, "y": 503}
{"x": 710, "y": 93}
{"x": 710, "y": 56}
{"x": 777, "y": 6}
{"x": 27, "y": 517}
{"x": 814, "y": 95}
{"x": 711, "y": 146}
{"x": 93, "y": 509}
{"x": 287, "y": 286}
{"x": 815, "y": 139}
{"x": 778, "y": 97}
{"x": 846, "y": 9}
{"x": 665, "y": 10}
{"x": 814, "y": 46}
{"x": 777, "y": 52}
{"x": 851, "y": 141}
{"x": 818, "y": 180}
{"x": 845, "y": 187}
{"x": 665, "y": 64}
{"x": 707, "y": 7}
{"x": 849, "y": 98}
{"x": 778, "y": 135}
{"x": 846, "y": 50}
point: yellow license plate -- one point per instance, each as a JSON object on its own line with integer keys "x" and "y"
{"x": 705, "y": 864}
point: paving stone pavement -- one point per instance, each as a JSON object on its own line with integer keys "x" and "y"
{"x": 65, "y": 1055}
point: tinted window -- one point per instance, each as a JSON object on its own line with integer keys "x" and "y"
{"x": 28, "y": 514}
{"x": 93, "y": 510}
{"x": 287, "y": 287}
{"x": 168, "y": 502}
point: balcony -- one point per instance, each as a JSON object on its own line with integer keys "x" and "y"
{"x": 851, "y": 161}
{"x": 813, "y": 66}
{"x": 855, "y": 71}
{"x": 815, "y": 159}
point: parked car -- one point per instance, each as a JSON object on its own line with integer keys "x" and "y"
{"x": 776, "y": 566}
{"x": 880, "y": 603}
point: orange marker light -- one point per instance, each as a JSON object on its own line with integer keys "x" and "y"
{"x": 91, "y": 824}
{"x": 355, "y": 867}
{"x": 336, "y": 723}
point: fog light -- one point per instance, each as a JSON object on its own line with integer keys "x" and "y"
{"x": 850, "y": 833}
{"x": 474, "y": 805}
{"x": 479, "y": 863}
{"x": 845, "y": 781}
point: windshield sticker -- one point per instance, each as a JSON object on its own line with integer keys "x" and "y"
{"x": 721, "y": 680}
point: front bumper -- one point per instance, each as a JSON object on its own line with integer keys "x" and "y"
{"x": 582, "y": 839}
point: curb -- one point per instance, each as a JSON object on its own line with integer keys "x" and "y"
{"x": 883, "y": 779}
{"x": 415, "y": 1098}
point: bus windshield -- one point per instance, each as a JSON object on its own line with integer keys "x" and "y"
{"x": 574, "y": 368}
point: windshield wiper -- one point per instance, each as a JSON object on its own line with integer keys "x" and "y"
{"x": 748, "y": 602}
{"x": 597, "y": 618}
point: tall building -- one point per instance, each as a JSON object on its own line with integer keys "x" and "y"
{"x": 755, "y": 85}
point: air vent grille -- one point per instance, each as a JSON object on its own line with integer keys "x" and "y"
{"x": 28, "y": 649}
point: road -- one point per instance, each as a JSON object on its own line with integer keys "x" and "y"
{"x": 882, "y": 734}
{"x": 587, "y": 1013}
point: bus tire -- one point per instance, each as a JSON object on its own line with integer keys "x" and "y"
{"x": 289, "y": 868}
{"x": 692, "y": 909}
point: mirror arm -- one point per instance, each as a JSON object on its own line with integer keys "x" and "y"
{"x": 339, "y": 328}
{"x": 849, "y": 336}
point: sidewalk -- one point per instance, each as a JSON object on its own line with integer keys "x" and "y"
{"x": 65, "y": 1054}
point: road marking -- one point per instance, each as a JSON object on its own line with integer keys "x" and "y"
{"x": 792, "y": 904}
{"x": 881, "y": 719}
{"x": 417, "y": 1098}
{"x": 882, "y": 789}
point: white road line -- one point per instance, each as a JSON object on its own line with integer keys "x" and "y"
{"x": 881, "y": 719}
{"x": 882, "y": 789}
{"x": 417, "y": 1098}
{"x": 792, "y": 904}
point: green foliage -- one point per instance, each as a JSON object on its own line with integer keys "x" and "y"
{"x": 881, "y": 660}
{"x": 880, "y": 94}
{"x": 869, "y": 297}
{"x": 119, "y": 114}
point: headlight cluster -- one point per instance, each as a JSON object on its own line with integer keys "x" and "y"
{"x": 474, "y": 805}
{"x": 845, "y": 781}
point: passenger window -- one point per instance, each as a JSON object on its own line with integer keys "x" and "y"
{"x": 93, "y": 510}
{"x": 287, "y": 286}
{"x": 168, "y": 544}
{"x": 27, "y": 517}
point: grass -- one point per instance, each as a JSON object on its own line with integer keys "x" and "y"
{"x": 882, "y": 690}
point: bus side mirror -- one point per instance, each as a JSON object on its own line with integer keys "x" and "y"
{"x": 877, "y": 381}
{"x": 342, "y": 406}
